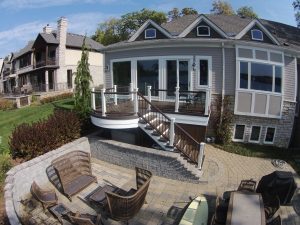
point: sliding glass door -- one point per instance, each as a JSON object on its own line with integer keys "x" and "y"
{"x": 177, "y": 75}
{"x": 122, "y": 73}
{"x": 147, "y": 75}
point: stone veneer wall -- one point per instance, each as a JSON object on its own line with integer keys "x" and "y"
{"x": 284, "y": 126}
{"x": 19, "y": 178}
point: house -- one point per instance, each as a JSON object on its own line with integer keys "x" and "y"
{"x": 49, "y": 62}
{"x": 191, "y": 62}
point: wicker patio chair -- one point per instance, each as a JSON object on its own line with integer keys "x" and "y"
{"x": 271, "y": 205}
{"x": 74, "y": 172}
{"x": 84, "y": 219}
{"x": 46, "y": 197}
{"x": 275, "y": 221}
{"x": 123, "y": 208}
{"x": 247, "y": 185}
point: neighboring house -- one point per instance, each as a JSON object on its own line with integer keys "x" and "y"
{"x": 7, "y": 77}
{"x": 254, "y": 62}
{"x": 49, "y": 62}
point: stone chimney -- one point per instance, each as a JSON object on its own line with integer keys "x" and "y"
{"x": 62, "y": 25}
{"x": 47, "y": 29}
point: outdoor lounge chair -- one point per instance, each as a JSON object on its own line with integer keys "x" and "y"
{"x": 123, "y": 208}
{"x": 247, "y": 185}
{"x": 46, "y": 197}
{"x": 84, "y": 219}
{"x": 74, "y": 172}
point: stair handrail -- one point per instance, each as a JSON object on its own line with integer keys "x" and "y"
{"x": 196, "y": 143}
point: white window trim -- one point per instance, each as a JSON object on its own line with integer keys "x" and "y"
{"x": 239, "y": 140}
{"x": 253, "y": 141}
{"x": 268, "y": 142}
{"x": 257, "y": 39}
{"x": 146, "y": 37}
{"x": 203, "y": 35}
{"x": 209, "y": 59}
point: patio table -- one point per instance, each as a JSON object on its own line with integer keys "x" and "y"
{"x": 245, "y": 208}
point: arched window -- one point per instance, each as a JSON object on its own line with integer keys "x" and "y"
{"x": 203, "y": 31}
{"x": 150, "y": 33}
{"x": 257, "y": 35}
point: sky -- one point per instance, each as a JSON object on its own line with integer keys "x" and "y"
{"x": 22, "y": 20}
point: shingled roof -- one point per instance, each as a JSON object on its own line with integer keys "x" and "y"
{"x": 232, "y": 25}
{"x": 26, "y": 49}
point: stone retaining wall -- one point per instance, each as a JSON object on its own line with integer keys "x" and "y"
{"x": 160, "y": 163}
{"x": 19, "y": 178}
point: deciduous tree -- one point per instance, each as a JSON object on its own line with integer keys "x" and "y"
{"x": 174, "y": 14}
{"x": 246, "y": 11}
{"x": 188, "y": 11}
{"x": 222, "y": 8}
{"x": 296, "y": 5}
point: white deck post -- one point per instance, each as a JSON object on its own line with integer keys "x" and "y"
{"x": 172, "y": 132}
{"x": 207, "y": 96}
{"x": 131, "y": 91}
{"x": 115, "y": 95}
{"x": 136, "y": 101}
{"x": 93, "y": 99}
{"x": 176, "y": 99}
{"x": 149, "y": 96}
{"x": 103, "y": 103}
{"x": 201, "y": 155}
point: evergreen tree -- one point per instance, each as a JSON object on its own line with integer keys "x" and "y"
{"x": 82, "y": 84}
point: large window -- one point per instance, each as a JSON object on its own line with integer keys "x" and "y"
{"x": 122, "y": 73}
{"x": 147, "y": 75}
{"x": 263, "y": 77}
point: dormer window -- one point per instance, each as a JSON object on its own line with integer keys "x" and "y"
{"x": 150, "y": 33}
{"x": 257, "y": 35}
{"x": 203, "y": 31}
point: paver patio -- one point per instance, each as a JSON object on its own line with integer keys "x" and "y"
{"x": 167, "y": 198}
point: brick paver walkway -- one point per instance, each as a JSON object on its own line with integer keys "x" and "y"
{"x": 166, "y": 198}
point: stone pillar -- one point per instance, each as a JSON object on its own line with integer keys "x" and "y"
{"x": 61, "y": 77}
{"x": 46, "y": 80}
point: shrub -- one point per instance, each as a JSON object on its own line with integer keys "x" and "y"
{"x": 56, "y": 98}
{"x": 5, "y": 165}
{"x": 31, "y": 140}
{"x": 6, "y": 104}
{"x": 223, "y": 120}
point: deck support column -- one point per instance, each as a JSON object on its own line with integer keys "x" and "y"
{"x": 172, "y": 132}
{"x": 136, "y": 101}
{"x": 201, "y": 155}
{"x": 93, "y": 99}
{"x": 207, "y": 97}
{"x": 115, "y": 95}
{"x": 149, "y": 96}
{"x": 103, "y": 102}
{"x": 131, "y": 91}
{"x": 46, "y": 81}
{"x": 176, "y": 99}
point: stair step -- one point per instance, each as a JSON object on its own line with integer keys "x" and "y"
{"x": 148, "y": 127}
{"x": 155, "y": 133}
{"x": 162, "y": 139}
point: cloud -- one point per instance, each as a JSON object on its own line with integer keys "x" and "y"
{"x": 25, "y": 4}
{"x": 12, "y": 40}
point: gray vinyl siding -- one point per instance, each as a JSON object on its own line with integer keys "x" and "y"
{"x": 215, "y": 53}
{"x": 230, "y": 71}
{"x": 289, "y": 78}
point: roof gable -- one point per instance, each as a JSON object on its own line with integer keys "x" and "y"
{"x": 150, "y": 24}
{"x": 194, "y": 31}
{"x": 199, "y": 20}
{"x": 256, "y": 24}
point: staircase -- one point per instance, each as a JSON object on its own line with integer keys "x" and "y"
{"x": 168, "y": 135}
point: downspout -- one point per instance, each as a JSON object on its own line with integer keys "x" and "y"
{"x": 223, "y": 80}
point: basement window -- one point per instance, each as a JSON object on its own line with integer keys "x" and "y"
{"x": 239, "y": 132}
{"x": 255, "y": 134}
{"x": 150, "y": 33}
{"x": 270, "y": 134}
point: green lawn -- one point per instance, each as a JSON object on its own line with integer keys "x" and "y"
{"x": 263, "y": 151}
{"x": 9, "y": 119}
